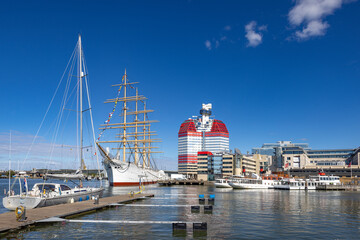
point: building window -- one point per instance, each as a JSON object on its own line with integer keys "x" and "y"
{"x": 288, "y": 158}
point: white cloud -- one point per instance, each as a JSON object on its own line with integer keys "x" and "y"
{"x": 313, "y": 28}
{"x": 311, "y": 14}
{"x": 254, "y": 38}
{"x": 208, "y": 44}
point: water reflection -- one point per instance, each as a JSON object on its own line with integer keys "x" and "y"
{"x": 250, "y": 214}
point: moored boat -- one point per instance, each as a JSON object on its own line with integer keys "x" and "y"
{"x": 47, "y": 194}
{"x": 252, "y": 183}
{"x": 307, "y": 184}
{"x": 222, "y": 183}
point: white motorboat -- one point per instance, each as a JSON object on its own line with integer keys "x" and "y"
{"x": 323, "y": 179}
{"x": 252, "y": 183}
{"x": 307, "y": 184}
{"x": 291, "y": 184}
{"x": 222, "y": 183}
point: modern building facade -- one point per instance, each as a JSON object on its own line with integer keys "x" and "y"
{"x": 269, "y": 148}
{"x": 276, "y": 150}
{"x": 339, "y": 162}
{"x": 297, "y": 157}
{"x": 223, "y": 165}
{"x": 211, "y": 167}
{"x": 200, "y": 134}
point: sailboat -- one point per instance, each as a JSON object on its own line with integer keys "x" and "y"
{"x": 47, "y": 194}
{"x": 131, "y": 138}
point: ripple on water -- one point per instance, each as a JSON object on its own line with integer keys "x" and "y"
{"x": 237, "y": 214}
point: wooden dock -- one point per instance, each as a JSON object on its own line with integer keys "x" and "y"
{"x": 8, "y": 220}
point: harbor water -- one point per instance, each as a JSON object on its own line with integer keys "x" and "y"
{"x": 237, "y": 214}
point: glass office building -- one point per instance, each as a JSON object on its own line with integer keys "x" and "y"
{"x": 270, "y": 148}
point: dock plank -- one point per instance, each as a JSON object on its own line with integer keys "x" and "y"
{"x": 8, "y": 220}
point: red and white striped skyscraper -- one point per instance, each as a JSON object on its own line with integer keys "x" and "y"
{"x": 200, "y": 134}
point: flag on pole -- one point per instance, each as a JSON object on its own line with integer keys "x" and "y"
{"x": 25, "y": 185}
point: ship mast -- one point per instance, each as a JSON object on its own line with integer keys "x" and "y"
{"x": 144, "y": 144}
{"x": 124, "y": 109}
{"x": 136, "y": 128}
{"x": 134, "y": 131}
{"x": 81, "y": 104}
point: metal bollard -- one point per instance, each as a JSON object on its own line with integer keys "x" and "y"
{"x": 96, "y": 200}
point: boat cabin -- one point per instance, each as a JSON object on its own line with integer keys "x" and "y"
{"x": 50, "y": 187}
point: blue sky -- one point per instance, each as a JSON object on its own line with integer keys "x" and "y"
{"x": 273, "y": 70}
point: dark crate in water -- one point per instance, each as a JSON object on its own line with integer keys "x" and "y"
{"x": 179, "y": 226}
{"x": 208, "y": 209}
{"x": 200, "y": 226}
{"x": 195, "y": 208}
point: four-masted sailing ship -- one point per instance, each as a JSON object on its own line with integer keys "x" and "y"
{"x": 131, "y": 140}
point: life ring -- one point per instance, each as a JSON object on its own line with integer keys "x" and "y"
{"x": 19, "y": 212}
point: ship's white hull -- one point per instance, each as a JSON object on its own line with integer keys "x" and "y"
{"x": 248, "y": 186}
{"x": 129, "y": 174}
{"x": 287, "y": 187}
{"x": 222, "y": 185}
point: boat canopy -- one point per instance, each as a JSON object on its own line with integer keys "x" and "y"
{"x": 78, "y": 176}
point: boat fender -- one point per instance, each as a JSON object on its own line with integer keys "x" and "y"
{"x": 80, "y": 199}
{"x": 71, "y": 200}
{"x": 87, "y": 197}
{"x": 20, "y": 213}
